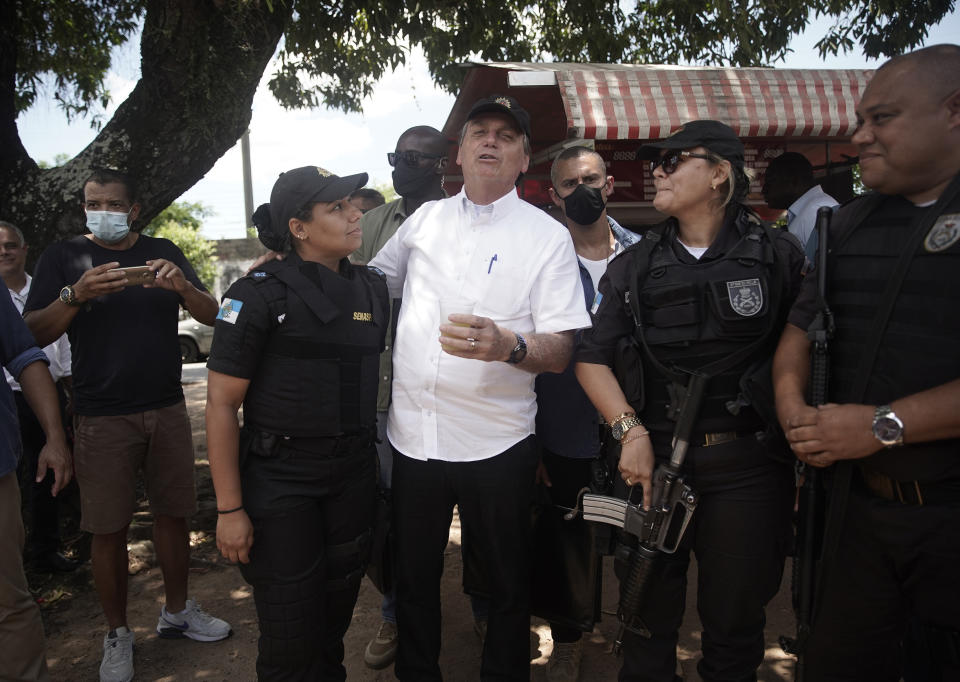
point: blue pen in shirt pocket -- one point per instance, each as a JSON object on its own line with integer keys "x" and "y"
{"x": 492, "y": 260}
{"x": 596, "y": 303}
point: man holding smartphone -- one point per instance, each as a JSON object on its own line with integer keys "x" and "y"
{"x": 130, "y": 410}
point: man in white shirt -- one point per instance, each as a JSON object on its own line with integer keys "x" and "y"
{"x": 789, "y": 184}
{"x": 462, "y": 417}
{"x": 43, "y": 543}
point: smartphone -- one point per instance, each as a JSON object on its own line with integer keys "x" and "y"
{"x": 141, "y": 274}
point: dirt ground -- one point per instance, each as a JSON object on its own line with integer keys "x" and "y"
{"x": 75, "y": 624}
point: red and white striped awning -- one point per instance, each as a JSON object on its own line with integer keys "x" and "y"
{"x": 649, "y": 102}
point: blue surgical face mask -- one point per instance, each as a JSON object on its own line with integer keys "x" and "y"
{"x": 108, "y": 226}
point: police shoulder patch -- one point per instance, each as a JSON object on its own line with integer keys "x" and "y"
{"x": 230, "y": 310}
{"x": 746, "y": 296}
{"x": 377, "y": 270}
{"x": 944, "y": 233}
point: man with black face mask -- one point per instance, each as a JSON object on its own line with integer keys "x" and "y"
{"x": 581, "y": 189}
{"x": 567, "y": 422}
{"x": 418, "y": 165}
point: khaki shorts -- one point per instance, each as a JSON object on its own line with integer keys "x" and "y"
{"x": 108, "y": 453}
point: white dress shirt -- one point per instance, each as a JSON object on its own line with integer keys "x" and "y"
{"x": 803, "y": 212}
{"x": 58, "y": 352}
{"x": 519, "y": 266}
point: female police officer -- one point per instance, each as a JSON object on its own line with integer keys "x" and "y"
{"x": 711, "y": 287}
{"x": 297, "y": 343}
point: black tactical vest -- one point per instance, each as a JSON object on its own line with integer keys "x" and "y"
{"x": 320, "y": 369}
{"x": 694, "y": 314}
{"x": 920, "y": 347}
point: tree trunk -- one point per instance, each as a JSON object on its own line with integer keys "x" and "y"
{"x": 201, "y": 64}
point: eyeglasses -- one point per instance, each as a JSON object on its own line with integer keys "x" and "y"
{"x": 410, "y": 157}
{"x": 671, "y": 161}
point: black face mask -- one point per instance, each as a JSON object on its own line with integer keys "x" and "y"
{"x": 413, "y": 181}
{"x": 584, "y": 204}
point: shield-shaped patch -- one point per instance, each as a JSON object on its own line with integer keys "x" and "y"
{"x": 944, "y": 233}
{"x": 746, "y": 296}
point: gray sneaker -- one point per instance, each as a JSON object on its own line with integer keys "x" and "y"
{"x": 192, "y": 622}
{"x": 564, "y": 663}
{"x": 382, "y": 649}
{"x": 117, "y": 663}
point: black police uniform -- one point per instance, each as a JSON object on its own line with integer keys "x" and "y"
{"x": 308, "y": 339}
{"x": 898, "y": 548}
{"x": 697, "y": 312}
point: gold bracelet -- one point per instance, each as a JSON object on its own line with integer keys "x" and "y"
{"x": 637, "y": 437}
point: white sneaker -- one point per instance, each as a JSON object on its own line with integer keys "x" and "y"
{"x": 117, "y": 663}
{"x": 192, "y": 622}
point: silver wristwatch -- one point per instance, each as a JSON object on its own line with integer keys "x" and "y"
{"x": 887, "y": 426}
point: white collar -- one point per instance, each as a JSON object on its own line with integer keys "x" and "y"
{"x": 812, "y": 194}
{"x": 25, "y": 291}
{"x": 488, "y": 212}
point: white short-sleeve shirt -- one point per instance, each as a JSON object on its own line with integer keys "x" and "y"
{"x": 58, "y": 352}
{"x": 519, "y": 267}
{"x": 803, "y": 212}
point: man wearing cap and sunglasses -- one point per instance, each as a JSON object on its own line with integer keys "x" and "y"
{"x": 462, "y": 418}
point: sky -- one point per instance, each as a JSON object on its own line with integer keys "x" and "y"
{"x": 341, "y": 143}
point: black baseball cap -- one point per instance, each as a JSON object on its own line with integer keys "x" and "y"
{"x": 716, "y": 136}
{"x": 503, "y": 104}
{"x": 298, "y": 187}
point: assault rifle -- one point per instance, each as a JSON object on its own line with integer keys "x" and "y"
{"x": 811, "y": 503}
{"x": 658, "y": 529}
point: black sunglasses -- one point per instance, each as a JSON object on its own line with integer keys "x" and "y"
{"x": 671, "y": 160}
{"x": 410, "y": 157}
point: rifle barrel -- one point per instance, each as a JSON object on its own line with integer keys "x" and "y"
{"x": 811, "y": 497}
